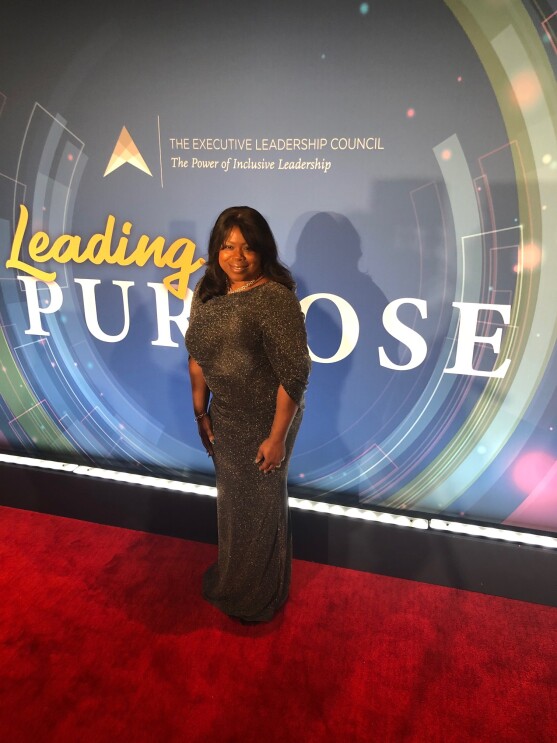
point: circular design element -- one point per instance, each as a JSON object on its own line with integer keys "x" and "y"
{"x": 453, "y": 210}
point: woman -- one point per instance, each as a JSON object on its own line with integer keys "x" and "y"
{"x": 249, "y": 366}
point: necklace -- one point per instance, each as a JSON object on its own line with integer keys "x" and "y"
{"x": 244, "y": 287}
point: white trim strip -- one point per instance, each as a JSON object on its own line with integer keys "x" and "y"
{"x": 492, "y": 532}
{"x": 381, "y": 517}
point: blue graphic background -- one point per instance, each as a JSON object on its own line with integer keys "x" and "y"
{"x": 438, "y": 214}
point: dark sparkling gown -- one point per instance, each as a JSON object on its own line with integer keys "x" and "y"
{"x": 247, "y": 343}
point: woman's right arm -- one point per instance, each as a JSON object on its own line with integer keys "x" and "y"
{"x": 200, "y": 398}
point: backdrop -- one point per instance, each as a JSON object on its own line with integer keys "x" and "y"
{"x": 405, "y": 156}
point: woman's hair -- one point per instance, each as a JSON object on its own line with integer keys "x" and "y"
{"x": 257, "y": 234}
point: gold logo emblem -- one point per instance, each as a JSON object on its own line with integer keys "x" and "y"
{"x": 126, "y": 151}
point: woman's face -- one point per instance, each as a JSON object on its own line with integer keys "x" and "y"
{"x": 237, "y": 260}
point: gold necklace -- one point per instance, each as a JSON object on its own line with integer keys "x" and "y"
{"x": 244, "y": 287}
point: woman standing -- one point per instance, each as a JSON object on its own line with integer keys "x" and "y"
{"x": 249, "y": 366}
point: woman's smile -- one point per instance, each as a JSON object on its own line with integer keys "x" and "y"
{"x": 238, "y": 260}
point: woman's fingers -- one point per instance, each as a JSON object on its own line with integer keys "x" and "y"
{"x": 206, "y": 434}
{"x": 270, "y": 455}
{"x": 267, "y": 464}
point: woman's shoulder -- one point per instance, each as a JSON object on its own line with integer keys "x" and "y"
{"x": 196, "y": 298}
{"x": 280, "y": 290}
{"x": 197, "y": 287}
{"x": 275, "y": 294}
{"x": 276, "y": 300}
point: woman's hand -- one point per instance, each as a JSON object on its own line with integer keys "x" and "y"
{"x": 272, "y": 451}
{"x": 200, "y": 400}
{"x": 205, "y": 430}
{"x": 270, "y": 454}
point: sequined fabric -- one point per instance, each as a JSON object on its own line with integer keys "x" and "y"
{"x": 247, "y": 343}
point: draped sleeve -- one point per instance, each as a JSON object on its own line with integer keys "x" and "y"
{"x": 285, "y": 341}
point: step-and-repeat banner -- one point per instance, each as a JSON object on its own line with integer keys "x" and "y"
{"x": 405, "y": 155}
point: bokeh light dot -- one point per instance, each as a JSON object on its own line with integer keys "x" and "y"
{"x": 410, "y": 113}
{"x": 530, "y": 469}
{"x": 546, "y": 159}
{"x": 531, "y": 256}
{"x": 446, "y": 155}
{"x": 527, "y": 89}
{"x": 364, "y": 8}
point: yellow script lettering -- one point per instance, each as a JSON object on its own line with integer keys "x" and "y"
{"x": 65, "y": 248}
{"x": 14, "y": 261}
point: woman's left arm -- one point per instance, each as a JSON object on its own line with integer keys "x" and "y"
{"x": 285, "y": 343}
{"x": 273, "y": 450}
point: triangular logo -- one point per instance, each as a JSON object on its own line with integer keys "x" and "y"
{"x": 126, "y": 152}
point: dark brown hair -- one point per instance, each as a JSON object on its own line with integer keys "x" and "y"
{"x": 257, "y": 234}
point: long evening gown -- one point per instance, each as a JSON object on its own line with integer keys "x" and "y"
{"x": 247, "y": 343}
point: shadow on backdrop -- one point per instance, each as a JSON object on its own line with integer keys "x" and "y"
{"x": 349, "y": 401}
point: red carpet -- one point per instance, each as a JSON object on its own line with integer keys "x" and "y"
{"x": 104, "y": 638}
